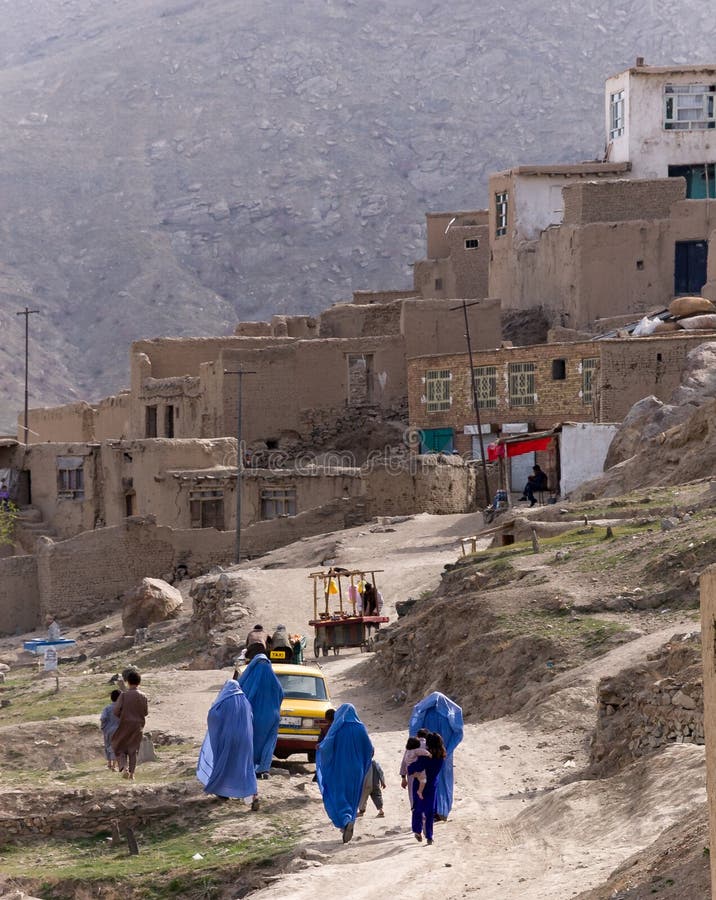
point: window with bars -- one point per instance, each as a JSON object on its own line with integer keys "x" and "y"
{"x": 616, "y": 115}
{"x": 689, "y": 107}
{"x": 70, "y": 477}
{"x": 472, "y": 243}
{"x": 206, "y": 508}
{"x": 278, "y": 501}
{"x": 437, "y": 389}
{"x": 521, "y": 378}
{"x": 588, "y": 368}
{"x": 486, "y": 386}
{"x": 501, "y": 200}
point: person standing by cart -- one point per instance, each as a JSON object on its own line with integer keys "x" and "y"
{"x": 342, "y": 761}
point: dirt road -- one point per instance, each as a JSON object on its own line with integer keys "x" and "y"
{"x": 515, "y": 832}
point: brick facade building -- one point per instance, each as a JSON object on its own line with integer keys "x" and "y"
{"x": 540, "y": 386}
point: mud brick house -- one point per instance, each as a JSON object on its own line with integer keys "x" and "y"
{"x": 618, "y": 235}
{"x": 314, "y": 380}
{"x": 523, "y": 389}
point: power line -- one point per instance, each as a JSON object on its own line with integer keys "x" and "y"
{"x": 239, "y": 460}
{"x": 27, "y": 313}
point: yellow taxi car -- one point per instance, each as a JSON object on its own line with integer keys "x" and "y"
{"x": 303, "y": 711}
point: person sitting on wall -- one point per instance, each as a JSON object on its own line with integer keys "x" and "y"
{"x": 535, "y": 483}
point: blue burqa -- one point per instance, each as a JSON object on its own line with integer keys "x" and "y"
{"x": 226, "y": 760}
{"x": 265, "y": 694}
{"x": 438, "y": 713}
{"x": 342, "y": 761}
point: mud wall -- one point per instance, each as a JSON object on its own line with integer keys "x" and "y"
{"x": 19, "y": 606}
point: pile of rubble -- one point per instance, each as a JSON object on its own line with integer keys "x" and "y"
{"x": 219, "y": 620}
{"x": 642, "y": 709}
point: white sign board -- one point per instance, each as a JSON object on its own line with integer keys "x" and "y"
{"x": 50, "y": 659}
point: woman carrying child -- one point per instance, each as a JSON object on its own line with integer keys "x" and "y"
{"x": 423, "y": 795}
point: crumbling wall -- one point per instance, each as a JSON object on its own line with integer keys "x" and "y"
{"x": 432, "y": 483}
{"x": 19, "y": 594}
{"x": 646, "y": 707}
{"x": 84, "y": 577}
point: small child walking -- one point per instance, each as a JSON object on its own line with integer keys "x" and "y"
{"x": 131, "y": 709}
{"x": 109, "y": 723}
{"x": 373, "y": 787}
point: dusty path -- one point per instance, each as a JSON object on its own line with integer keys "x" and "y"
{"x": 515, "y": 831}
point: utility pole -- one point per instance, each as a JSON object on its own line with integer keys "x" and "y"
{"x": 463, "y": 306}
{"x": 27, "y": 313}
{"x": 239, "y": 459}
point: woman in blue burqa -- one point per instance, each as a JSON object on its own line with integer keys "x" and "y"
{"x": 226, "y": 760}
{"x": 265, "y": 694}
{"x": 438, "y": 713}
{"x": 342, "y": 761}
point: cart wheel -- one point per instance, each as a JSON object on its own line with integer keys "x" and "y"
{"x": 316, "y": 648}
{"x": 336, "y": 651}
{"x": 363, "y": 647}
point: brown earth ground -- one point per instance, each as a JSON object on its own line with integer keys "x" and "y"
{"x": 519, "y": 638}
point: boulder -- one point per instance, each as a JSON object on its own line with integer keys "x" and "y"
{"x": 152, "y": 601}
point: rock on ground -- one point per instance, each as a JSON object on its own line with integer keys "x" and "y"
{"x": 152, "y": 601}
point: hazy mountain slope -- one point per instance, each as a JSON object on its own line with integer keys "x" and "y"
{"x": 170, "y": 166}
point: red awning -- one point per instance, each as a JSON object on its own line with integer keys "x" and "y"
{"x": 517, "y": 448}
{"x": 500, "y": 449}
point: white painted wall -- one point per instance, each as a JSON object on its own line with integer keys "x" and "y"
{"x": 538, "y": 203}
{"x": 649, "y": 147}
{"x": 582, "y": 451}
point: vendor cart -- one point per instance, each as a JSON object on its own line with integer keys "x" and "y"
{"x": 343, "y": 621}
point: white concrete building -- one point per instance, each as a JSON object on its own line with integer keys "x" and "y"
{"x": 662, "y": 120}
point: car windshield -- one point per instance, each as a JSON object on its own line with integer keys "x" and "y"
{"x": 303, "y": 687}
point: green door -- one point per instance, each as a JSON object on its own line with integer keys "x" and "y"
{"x": 436, "y": 440}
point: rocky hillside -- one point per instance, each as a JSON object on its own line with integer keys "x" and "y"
{"x": 665, "y": 443}
{"x": 169, "y": 166}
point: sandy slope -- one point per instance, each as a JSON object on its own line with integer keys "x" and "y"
{"x": 515, "y": 831}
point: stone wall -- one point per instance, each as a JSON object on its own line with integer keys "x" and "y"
{"x": 636, "y": 368}
{"x": 350, "y": 320}
{"x": 19, "y": 610}
{"x": 644, "y": 708}
{"x": 432, "y": 483}
{"x": 83, "y": 578}
{"x": 618, "y": 201}
{"x": 72, "y": 422}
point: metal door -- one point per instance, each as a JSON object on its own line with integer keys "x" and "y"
{"x": 690, "y": 259}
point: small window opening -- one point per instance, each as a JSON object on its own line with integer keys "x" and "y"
{"x": 640, "y": 264}
{"x": 272, "y": 443}
{"x": 472, "y": 243}
{"x": 559, "y": 369}
{"x": 438, "y": 284}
